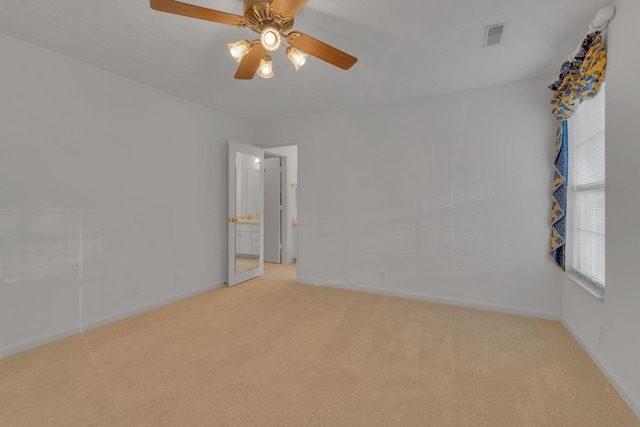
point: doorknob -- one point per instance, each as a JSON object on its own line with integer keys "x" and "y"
{"x": 234, "y": 219}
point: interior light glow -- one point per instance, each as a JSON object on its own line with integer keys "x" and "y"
{"x": 265, "y": 70}
{"x": 297, "y": 57}
{"x": 239, "y": 49}
{"x": 270, "y": 39}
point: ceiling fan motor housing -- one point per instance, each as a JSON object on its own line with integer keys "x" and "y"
{"x": 259, "y": 14}
{"x": 259, "y": 4}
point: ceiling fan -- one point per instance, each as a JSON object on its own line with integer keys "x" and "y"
{"x": 272, "y": 19}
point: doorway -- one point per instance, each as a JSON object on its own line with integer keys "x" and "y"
{"x": 275, "y": 207}
{"x": 249, "y": 167}
{"x": 281, "y": 205}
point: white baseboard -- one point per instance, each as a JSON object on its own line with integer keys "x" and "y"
{"x": 634, "y": 406}
{"x": 37, "y": 342}
{"x": 439, "y": 300}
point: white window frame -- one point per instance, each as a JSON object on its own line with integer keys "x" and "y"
{"x": 573, "y": 249}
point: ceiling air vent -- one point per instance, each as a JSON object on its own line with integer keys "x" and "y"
{"x": 494, "y": 34}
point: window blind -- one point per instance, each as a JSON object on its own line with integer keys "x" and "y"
{"x": 587, "y": 188}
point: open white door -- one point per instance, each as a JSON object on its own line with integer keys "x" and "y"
{"x": 272, "y": 209}
{"x": 245, "y": 213}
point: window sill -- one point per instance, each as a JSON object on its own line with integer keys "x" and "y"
{"x": 587, "y": 285}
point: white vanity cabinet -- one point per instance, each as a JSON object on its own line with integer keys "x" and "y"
{"x": 248, "y": 239}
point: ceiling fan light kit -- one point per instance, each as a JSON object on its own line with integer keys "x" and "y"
{"x": 239, "y": 49}
{"x": 272, "y": 19}
{"x": 297, "y": 57}
{"x": 265, "y": 70}
{"x": 270, "y": 39}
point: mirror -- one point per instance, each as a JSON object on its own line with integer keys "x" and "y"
{"x": 247, "y": 214}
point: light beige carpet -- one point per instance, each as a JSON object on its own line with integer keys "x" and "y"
{"x": 273, "y": 352}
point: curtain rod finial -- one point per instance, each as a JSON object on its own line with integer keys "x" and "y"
{"x": 606, "y": 14}
{"x": 603, "y": 17}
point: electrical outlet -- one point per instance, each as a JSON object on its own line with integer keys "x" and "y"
{"x": 383, "y": 274}
{"x": 177, "y": 280}
{"x": 136, "y": 289}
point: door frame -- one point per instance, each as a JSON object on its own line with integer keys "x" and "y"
{"x": 284, "y": 213}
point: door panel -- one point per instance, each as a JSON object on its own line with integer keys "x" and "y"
{"x": 245, "y": 213}
{"x": 272, "y": 210}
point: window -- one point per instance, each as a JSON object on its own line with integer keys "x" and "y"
{"x": 587, "y": 189}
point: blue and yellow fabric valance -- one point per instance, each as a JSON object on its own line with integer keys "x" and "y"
{"x": 579, "y": 80}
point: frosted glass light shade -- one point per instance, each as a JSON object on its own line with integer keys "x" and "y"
{"x": 297, "y": 57}
{"x": 270, "y": 39}
{"x": 239, "y": 49}
{"x": 265, "y": 70}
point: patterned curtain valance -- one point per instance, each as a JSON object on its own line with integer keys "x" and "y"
{"x": 581, "y": 78}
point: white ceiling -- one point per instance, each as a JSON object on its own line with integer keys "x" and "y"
{"x": 406, "y": 48}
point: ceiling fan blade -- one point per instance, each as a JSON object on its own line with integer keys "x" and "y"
{"x": 250, "y": 63}
{"x": 184, "y": 9}
{"x": 287, "y": 8}
{"x": 321, "y": 50}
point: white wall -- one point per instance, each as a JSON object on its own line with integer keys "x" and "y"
{"x": 617, "y": 348}
{"x": 445, "y": 198}
{"x": 291, "y": 153}
{"x": 105, "y": 184}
